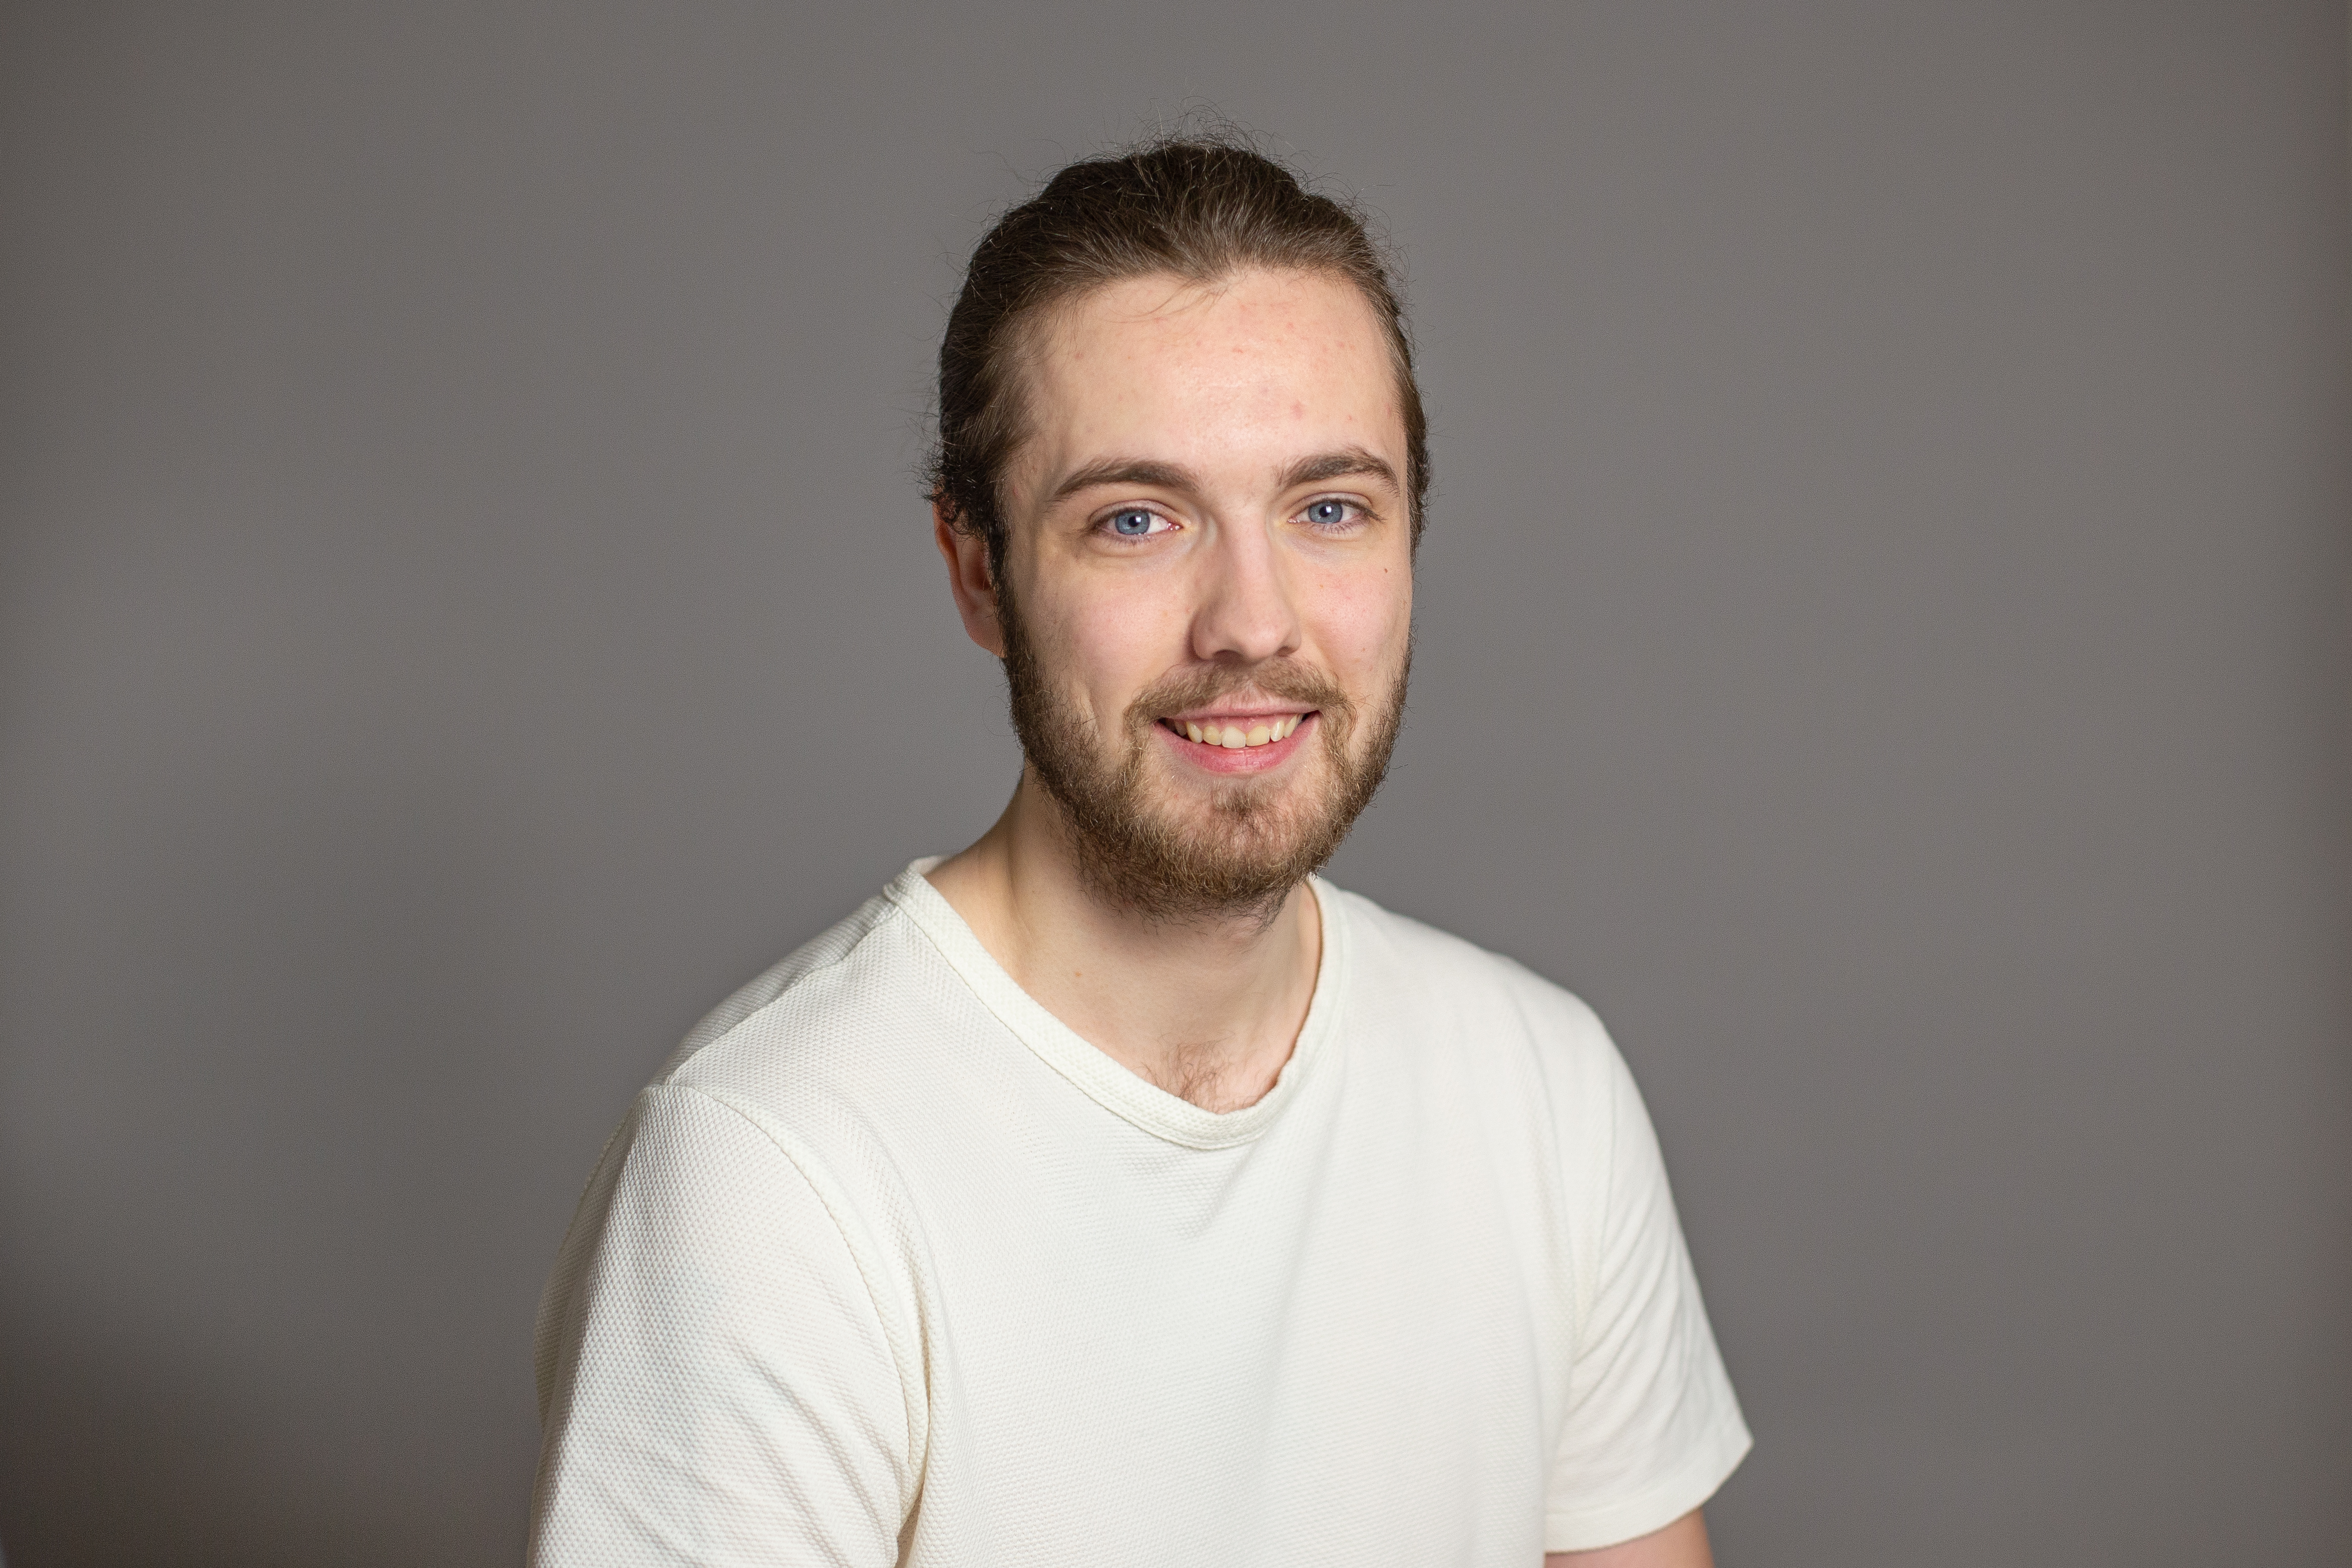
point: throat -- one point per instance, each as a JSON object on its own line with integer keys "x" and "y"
{"x": 1206, "y": 1008}
{"x": 1217, "y": 1078}
{"x": 1216, "y": 1031}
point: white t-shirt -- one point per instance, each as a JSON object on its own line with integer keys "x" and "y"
{"x": 889, "y": 1265}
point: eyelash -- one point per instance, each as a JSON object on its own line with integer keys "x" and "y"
{"x": 1357, "y": 512}
{"x": 1116, "y": 512}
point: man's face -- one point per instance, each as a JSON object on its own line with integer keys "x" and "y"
{"x": 1207, "y": 601}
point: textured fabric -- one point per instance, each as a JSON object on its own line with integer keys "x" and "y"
{"x": 889, "y": 1265}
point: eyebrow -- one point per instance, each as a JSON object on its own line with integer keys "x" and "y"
{"x": 1125, "y": 471}
{"x": 1308, "y": 470}
{"x": 1344, "y": 462}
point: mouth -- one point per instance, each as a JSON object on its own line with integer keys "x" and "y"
{"x": 1237, "y": 732}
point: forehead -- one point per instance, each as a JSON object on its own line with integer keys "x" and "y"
{"x": 1242, "y": 373}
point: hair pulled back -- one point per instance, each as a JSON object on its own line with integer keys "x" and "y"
{"x": 1198, "y": 209}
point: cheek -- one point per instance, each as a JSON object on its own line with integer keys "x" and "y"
{"x": 1108, "y": 647}
{"x": 1362, "y": 620}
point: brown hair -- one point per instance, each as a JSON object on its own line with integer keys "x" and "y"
{"x": 1201, "y": 209}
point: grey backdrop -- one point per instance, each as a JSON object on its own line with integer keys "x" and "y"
{"x": 464, "y": 606}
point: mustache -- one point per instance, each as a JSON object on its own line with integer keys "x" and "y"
{"x": 1286, "y": 679}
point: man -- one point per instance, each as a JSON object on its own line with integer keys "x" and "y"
{"x": 1114, "y": 1191}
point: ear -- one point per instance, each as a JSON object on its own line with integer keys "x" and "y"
{"x": 969, "y": 580}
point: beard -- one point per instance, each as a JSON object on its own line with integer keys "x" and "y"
{"x": 1252, "y": 841}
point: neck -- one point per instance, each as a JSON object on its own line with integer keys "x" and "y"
{"x": 1207, "y": 1009}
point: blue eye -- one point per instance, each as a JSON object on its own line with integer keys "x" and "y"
{"x": 1327, "y": 513}
{"x": 1133, "y": 523}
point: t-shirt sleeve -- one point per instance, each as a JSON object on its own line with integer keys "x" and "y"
{"x": 1653, "y": 1427}
{"x": 716, "y": 1384}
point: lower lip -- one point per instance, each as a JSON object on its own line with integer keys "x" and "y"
{"x": 1240, "y": 759}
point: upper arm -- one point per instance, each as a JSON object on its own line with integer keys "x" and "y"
{"x": 1651, "y": 1426}
{"x": 721, "y": 1386}
{"x": 1682, "y": 1544}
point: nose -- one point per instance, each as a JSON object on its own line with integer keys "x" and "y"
{"x": 1245, "y": 614}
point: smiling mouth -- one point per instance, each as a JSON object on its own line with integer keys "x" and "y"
{"x": 1237, "y": 737}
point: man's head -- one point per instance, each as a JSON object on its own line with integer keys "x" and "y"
{"x": 1179, "y": 485}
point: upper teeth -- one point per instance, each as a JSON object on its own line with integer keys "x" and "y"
{"x": 1234, "y": 738}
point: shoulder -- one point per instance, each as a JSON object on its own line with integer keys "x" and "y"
{"x": 1458, "y": 1020}
{"x": 811, "y": 958}
{"x": 853, "y": 1056}
{"x": 786, "y": 1110}
{"x": 1406, "y": 965}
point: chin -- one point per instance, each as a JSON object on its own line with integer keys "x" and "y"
{"x": 1234, "y": 854}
